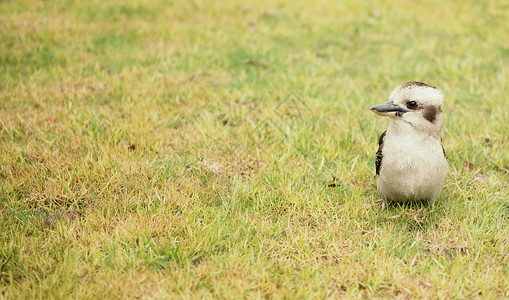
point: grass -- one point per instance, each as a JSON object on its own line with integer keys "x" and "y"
{"x": 190, "y": 149}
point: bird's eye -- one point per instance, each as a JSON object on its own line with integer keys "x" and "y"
{"x": 411, "y": 104}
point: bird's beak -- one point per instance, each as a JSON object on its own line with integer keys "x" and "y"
{"x": 388, "y": 109}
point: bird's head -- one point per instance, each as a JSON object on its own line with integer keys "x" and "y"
{"x": 416, "y": 104}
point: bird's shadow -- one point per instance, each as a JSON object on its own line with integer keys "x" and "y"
{"x": 419, "y": 215}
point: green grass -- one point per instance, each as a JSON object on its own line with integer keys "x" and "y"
{"x": 225, "y": 149}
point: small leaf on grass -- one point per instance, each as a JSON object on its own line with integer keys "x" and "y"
{"x": 449, "y": 249}
{"x": 481, "y": 177}
{"x": 367, "y": 205}
{"x": 258, "y": 64}
{"x": 67, "y": 215}
{"x": 72, "y": 214}
{"x": 470, "y": 166}
{"x": 416, "y": 215}
{"x": 393, "y": 217}
{"x": 196, "y": 75}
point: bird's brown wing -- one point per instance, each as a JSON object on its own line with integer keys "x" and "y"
{"x": 441, "y": 144}
{"x": 378, "y": 160}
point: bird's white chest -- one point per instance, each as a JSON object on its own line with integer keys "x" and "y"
{"x": 413, "y": 168}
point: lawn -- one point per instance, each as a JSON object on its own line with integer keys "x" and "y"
{"x": 225, "y": 149}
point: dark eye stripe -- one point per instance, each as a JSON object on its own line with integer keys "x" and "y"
{"x": 430, "y": 114}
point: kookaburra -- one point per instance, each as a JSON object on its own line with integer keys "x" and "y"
{"x": 410, "y": 161}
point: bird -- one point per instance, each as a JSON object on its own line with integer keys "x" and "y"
{"x": 411, "y": 163}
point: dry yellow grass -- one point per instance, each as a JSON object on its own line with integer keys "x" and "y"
{"x": 208, "y": 149}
